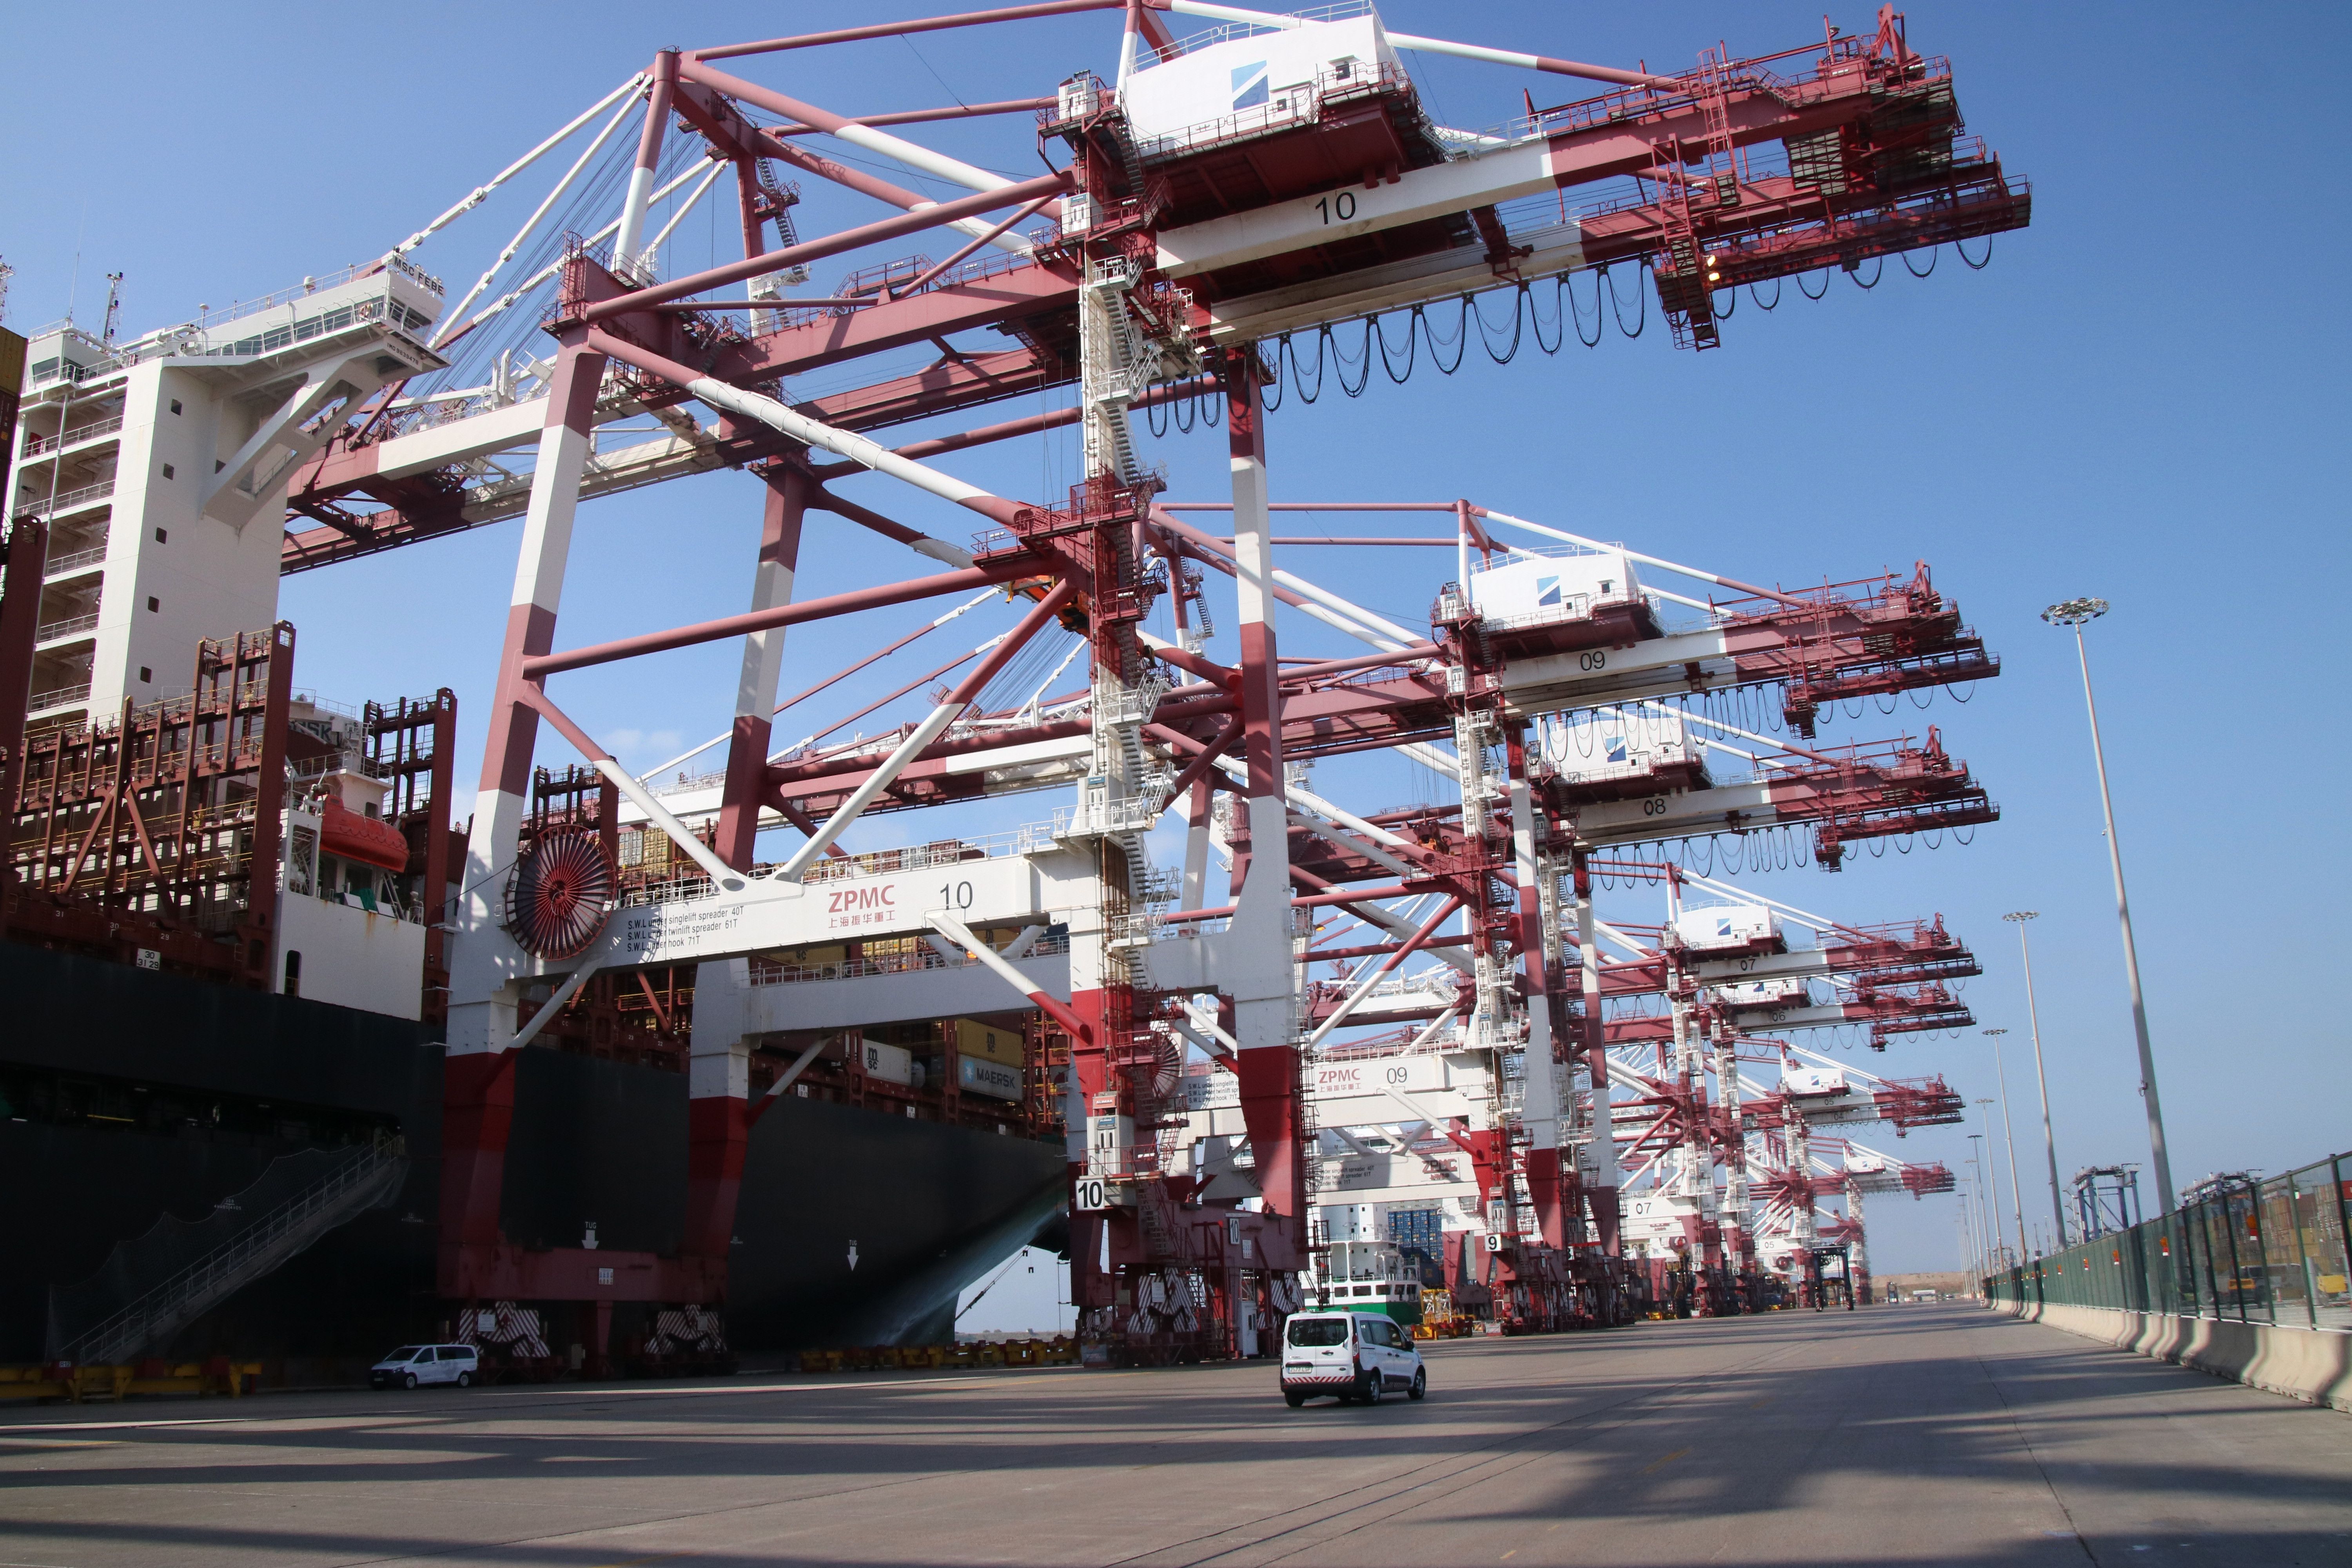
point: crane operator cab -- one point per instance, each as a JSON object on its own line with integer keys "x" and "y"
{"x": 1356, "y": 1357}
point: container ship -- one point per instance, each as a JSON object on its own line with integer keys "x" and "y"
{"x": 225, "y": 920}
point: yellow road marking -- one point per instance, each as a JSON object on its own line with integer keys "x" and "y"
{"x": 1663, "y": 1460}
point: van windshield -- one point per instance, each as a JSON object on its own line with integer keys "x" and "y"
{"x": 406, "y": 1353}
{"x": 1312, "y": 1331}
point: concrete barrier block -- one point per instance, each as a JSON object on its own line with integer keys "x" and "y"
{"x": 2310, "y": 1364}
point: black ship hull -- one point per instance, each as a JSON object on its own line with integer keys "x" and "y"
{"x": 128, "y": 1095}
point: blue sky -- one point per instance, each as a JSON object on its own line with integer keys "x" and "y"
{"x": 2137, "y": 399}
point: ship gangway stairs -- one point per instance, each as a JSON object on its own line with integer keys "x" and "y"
{"x": 362, "y": 1178}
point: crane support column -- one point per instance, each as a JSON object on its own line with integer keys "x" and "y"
{"x": 719, "y": 1085}
{"x": 1265, "y": 1023}
{"x": 1541, "y": 1112}
{"x": 1605, "y": 1177}
{"x": 718, "y": 1117}
{"x": 485, "y": 965}
{"x": 1737, "y": 1239}
{"x": 789, "y": 489}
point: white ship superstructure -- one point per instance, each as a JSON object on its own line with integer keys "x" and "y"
{"x": 162, "y": 466}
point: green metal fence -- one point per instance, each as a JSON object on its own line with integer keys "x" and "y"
{"x": 2270, "y": 1252}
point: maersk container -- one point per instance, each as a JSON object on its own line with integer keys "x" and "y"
{"x": 977, "y": 1075}
{"x": 991, "y": 1041}
{"x": 1726, "y": 925}
{"x": 891, "y": 1063}
{"x": 1530, "y": 591}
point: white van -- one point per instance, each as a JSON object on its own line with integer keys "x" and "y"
{"x": 412, "y": 1364}
{"x": 1354, "y": 1356}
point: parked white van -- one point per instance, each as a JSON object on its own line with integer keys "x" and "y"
{"x": 1353, "y": 1356}
{"x": 412, "y": 1364}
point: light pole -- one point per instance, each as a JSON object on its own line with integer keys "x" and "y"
{"x": 1976, "y": 1220}
{"x": 2033, "y": 1021}
{"x": 1992, "y": 1190}
{"x": 2072, "y": 614}
{"x": 1967, "y": 1225}
{"x": 1976, "y": 1204}
{"x": 2008, "y": 1141}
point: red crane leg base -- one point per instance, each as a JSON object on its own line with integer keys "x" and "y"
{"x": 1543, "y": 1191}
{"x": 1605, "y": 1220}
{"x": 718, "y": 1131}
{"x": 477, "y": 1113}
{"x": 1269, "y": 1096}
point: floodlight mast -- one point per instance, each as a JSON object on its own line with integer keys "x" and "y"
{"x": 2073, "y": 614}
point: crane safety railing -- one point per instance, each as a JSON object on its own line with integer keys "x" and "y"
{"x": 1192, "y": 43}
{"x": 2269, "y": 1252}
{"x": 920, "y": 956}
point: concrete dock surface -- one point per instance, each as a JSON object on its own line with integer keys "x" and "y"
{"x": 1928, "y": 1435}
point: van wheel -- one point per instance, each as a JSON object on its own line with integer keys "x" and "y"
{"x": 1369, "y": 1391}
{"x": 1419, "y": 1389}
{"x": 466, "y": 1379}
{"x": 1293, "y": 1399}
{"x": 408, "y": 1380}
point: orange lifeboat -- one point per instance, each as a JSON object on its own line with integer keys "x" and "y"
{"x": 369, "y": 840}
